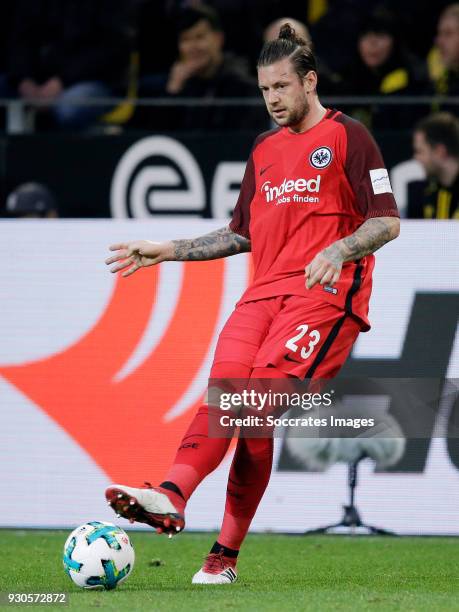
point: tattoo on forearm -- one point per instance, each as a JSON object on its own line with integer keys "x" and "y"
{"x": 370, "y": 236}
{"x": 221, "y": 243}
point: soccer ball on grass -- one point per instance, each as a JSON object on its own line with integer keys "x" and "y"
{"x": 98, "y": 555}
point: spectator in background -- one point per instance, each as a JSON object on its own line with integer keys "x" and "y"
{"x": 62, "y": 51}
{"x": 31, "y": 201}
{"x": 336, "y": 29}
{"x": 447, "y": 43}
{"x": 202, "y": 70}
{"x": 329, "y": 82}
{"x": 436, "y": 147}
{"x": 201, "y": 64}
{"x": 383, "y": 66}
{"x": 245, "y": 20}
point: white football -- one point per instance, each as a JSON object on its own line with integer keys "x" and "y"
{"x": 98, "y": 555}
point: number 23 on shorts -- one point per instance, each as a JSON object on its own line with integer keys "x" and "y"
{"x": 312, "y": 335}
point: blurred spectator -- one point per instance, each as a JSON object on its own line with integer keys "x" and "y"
{"x": 383, "y": 66}
{"x": 447, "y": 42}
{"x": 436, "y": 147}
{"x": 62, "y": 51}
{"x": 329, "y": 82}
{"x": 245, "y": 20}
{"x": 31, "y": 200}
{"x": 202, "y": 70}
{"x": 423, "y": 14}
{"x": 335, "y": 32}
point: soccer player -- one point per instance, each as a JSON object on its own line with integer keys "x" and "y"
{"x": 315, "y": 203}
{"x": 436, "y": 147}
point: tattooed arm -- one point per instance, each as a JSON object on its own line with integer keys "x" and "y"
{"x": 221, "y": 243}
{"x": 368, "y": 238}
{"x": 141, "y": 253}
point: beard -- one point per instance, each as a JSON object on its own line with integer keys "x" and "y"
{"x": 294, "y": 116}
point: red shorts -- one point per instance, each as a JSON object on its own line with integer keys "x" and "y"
{"x": 295, "y": 334}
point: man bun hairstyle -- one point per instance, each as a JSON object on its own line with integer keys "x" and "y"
{"x": 286, "y": 32}
{"x": 289, "y": 44}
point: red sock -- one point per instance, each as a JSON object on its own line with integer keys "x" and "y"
{"x": 198, "y": 454}
{"x": 249, "y": 476}
{"x": 248, "y": 479}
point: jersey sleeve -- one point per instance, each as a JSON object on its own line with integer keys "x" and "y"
{"x": 241, "y": 215}
{"x": 367, "y": 174}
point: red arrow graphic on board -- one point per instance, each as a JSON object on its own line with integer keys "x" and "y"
{"x": 120, "y": 424}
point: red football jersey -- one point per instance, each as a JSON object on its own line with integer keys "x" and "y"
{"x": 302, "y": 192}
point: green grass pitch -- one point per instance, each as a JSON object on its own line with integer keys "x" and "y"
{"x": 317, "y": 573}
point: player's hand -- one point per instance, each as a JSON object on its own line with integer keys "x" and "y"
{"x": 325, "y": 268}
{"x": 138, "y": 254}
